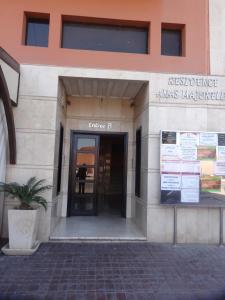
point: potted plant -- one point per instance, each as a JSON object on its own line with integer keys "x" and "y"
{"x": 23, "y": 220}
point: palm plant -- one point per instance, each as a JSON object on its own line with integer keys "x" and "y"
{"x": 27, "y": 193}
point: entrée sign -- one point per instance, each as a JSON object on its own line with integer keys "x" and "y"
{"x": 200, "y": 88}
{"x": 97, "y": 125}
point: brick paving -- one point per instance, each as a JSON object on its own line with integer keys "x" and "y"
{"x": 115, "y": 271}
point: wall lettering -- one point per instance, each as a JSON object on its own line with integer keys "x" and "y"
{"x": 197, "y": 89}
{"x": 103, "y": 125}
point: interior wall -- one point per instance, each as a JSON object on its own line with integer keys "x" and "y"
{"x": 81, "y": 112}
{"x": 141, "y": 119}
{"x": 3, "y": 155}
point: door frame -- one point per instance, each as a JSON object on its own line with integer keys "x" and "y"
{"x": 99, "y": 133}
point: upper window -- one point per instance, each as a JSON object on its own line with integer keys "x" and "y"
{"x": 172, "y": 41}
{"x": 102, "y": 37}
{"x": 37, "y": 32}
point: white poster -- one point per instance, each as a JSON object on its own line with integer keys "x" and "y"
{"x": 220, "y": 168}
{"x": 208, "y": 139}
{"x": 189, "y": 196}
{"x": 170, "y": 152}
{"x": 171, "y": 167}
{"x": 190, "y": 181}
{"x": 189, "y": 139}
{"x": 170, "y": 182}
{"x": 190, "y": 167}
{"x": 221, "y": 153}
{"x": 188, "y": 153}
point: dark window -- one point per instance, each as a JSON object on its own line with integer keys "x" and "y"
{"x": 138, "y": 164}
{"x": 171, "y": 42}
{"x": 37, "y": 32}
{"x": 105, "y": 37}
{"x": 60, "y": 159}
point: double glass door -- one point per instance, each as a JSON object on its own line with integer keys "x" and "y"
{"x": 83, "y": 174}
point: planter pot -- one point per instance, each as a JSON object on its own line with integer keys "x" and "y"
{"x": 23, "y": 226}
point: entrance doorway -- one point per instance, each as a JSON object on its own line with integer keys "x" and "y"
{"x": 97, "y": 181}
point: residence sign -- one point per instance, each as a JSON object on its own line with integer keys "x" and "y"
{"x": 192, "y": 88}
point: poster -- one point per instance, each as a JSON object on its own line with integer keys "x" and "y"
{"x": 189, "y": 139}
{"x": 170, "y": 182}
{"x": 221, "y": 139}
{"x": 192, "y": 167}
{"x": 208, "y": 139}
{"x": 211, "y": 184}
{"x": 190, "y": 196}
{"x": 188, "y": 153}
{"x": 170, "y": 152}
{"x": 220, "y": 168}
{"x": 206, "y": 153}
{"x": 190, "y": 182}
{"x": 169, "y": 137}
{"x": 171, "y": 167}
{"x": 221, "y": 153}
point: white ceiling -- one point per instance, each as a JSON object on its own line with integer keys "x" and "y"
{"x": 101, "y": 88}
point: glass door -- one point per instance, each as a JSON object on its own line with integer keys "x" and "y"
{"x": 83, "y": 175}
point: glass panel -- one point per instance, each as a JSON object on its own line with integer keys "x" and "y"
{"x": 171, "y": 42}
{"x": 84, "y": 173}
{"x": 37, "y": 32}
{"x": 103, "y": 37}
{"x": 84, "y": 187}
{"x": 85, "y": 159}
{"x": 84, "y": 144}
{"x": 84, "y": 204}
{"x": 88, "y": 204}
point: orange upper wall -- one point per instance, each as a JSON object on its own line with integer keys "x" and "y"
{"x": 192, "y": 13}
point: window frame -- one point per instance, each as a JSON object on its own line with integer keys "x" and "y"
{"x": 175, "y": 27}
{"x": 38, "y": 17}
{"x": 107, "y": 22}
{"x": 138, "y": 159}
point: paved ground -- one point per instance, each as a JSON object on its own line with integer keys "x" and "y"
{"x": 113, "y": 271}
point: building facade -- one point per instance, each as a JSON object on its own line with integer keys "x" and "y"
{"x": 99, "y": 82}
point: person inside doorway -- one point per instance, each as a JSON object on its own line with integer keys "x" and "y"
{"x": 81, "y": 175}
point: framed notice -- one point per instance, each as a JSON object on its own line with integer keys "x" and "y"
{"x": 221, "y": 139}
{"x": 170, "y": 182}
{"x": 189, "y": 139}
{"x": 221, "y": 153}
{"x": 188, "y": 153}
{"x": 189, "y": 196}
{"x": 192, "y": 167}
{"x": 170, "y": 152}
{"x": 169, "y": 137}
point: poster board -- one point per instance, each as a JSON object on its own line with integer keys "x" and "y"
{"x": 192, "y": 167}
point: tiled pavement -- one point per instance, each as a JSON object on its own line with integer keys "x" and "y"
{"x": 110, "y": 271}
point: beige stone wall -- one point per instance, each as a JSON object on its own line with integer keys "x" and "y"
{"x": 194, "y": 225}
{"x": 35, "y": 119}
{"x": 217, "y": 43}
{"x": 141, "y": 119}
{"x": 56, "y": 209}
{"x": 40, "y": 112}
